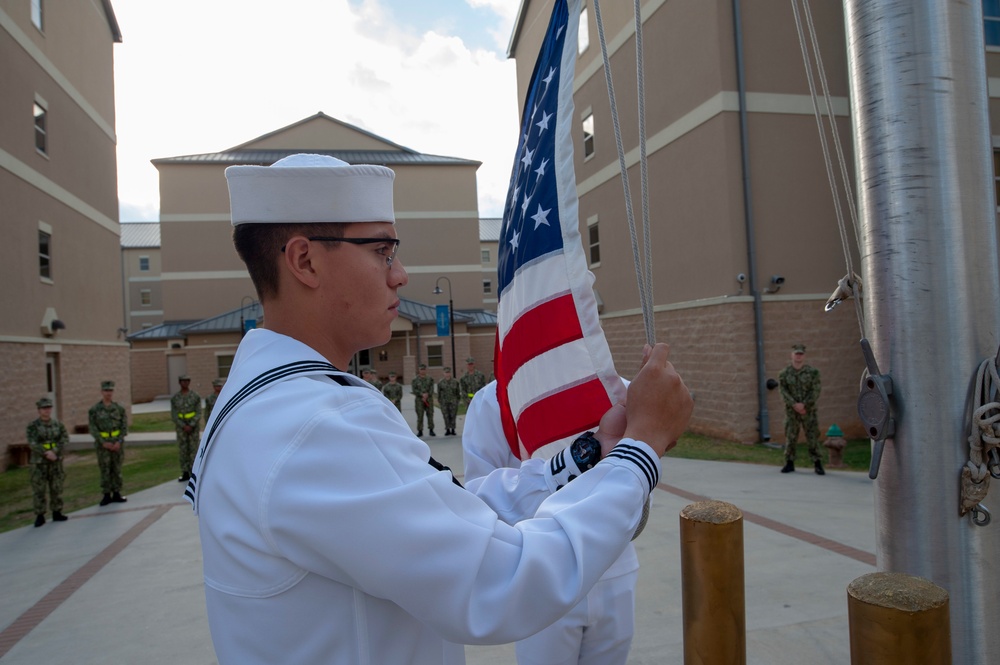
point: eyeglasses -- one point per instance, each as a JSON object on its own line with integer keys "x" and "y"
{"x": 389, "y": 251}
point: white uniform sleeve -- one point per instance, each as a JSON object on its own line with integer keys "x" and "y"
{"x": 396, "y": 529}
{"x": 512, "y": 488}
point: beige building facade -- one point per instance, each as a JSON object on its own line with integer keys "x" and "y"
{"x": 60, "y": 259}
{"x": 711, "y": 219}
{"x": 141, "y": 266}
{"x": 204, "y": 285}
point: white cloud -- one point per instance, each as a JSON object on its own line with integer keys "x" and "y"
{"x": 196, "y": 76}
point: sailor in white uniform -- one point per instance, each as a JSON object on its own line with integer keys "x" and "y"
{"x": 328, "y": 536}
{"x": 599, "y": 629}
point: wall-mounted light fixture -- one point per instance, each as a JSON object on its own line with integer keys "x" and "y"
{"x": 776, "y": 282}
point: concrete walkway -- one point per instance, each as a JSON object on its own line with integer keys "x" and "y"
{"x": 122, "y": 584}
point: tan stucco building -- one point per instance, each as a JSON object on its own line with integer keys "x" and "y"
{"x": 140, "y": 246}
{"x": 711, "y": 218}
{"x": 59, "y": 260}
{"x": 205, "y": 286}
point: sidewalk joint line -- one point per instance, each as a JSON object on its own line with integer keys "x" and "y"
{"x": 785, "y": 529}
{"x": 38, "y": 612}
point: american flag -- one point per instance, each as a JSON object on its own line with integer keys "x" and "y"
{"x": 555, "y": 375}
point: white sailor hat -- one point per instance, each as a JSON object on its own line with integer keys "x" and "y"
{"x": 306, "y": 188}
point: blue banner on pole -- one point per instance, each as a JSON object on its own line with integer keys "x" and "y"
{"x": 443, "y": 320}
{"x": 248, "y": 325}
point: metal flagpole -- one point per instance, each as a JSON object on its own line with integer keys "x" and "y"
{"x": 929, "y": 253}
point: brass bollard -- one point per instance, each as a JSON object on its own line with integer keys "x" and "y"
{"x": 898, "y": 619}
{"x": 712, "y": 584}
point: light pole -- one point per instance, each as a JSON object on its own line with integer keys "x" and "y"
{"x": 451, "y": 319}
{"x": 243, "y": 304}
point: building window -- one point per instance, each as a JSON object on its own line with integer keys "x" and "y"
{"x": 487, "y": 287}
{"x": 583, "y": 41}
{"x": 594, "y": 242}
{"x": 145, "y": 297}
{"x": 41, "y": 135}
{"x": 588, "y": 135}
{"x": 435, "y": 355}
{"x": 991, "y": 20}
{"x": 223, "y": 364}
{"x": 144, "y": 263}
{"x": 485, "y": 255}
{"x": 45, "y": 255}
{"x": 36, "y": 13}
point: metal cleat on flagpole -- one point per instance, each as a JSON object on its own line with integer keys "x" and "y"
{"x": 874, "y": 408}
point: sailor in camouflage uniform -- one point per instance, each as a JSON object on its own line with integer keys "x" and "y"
{"x": 46, "y": 438}
{"x": 373, "y": 379}
{"x": 393, "y": 391}
{"x": 210, "y": 400}
{"x": 422, "y": 388}
{"x": 109, "y": 426}
{"x": 472, "y": 382}
{"x": 185, "y": 411}
{"x": 800, "y": 389}
{"x": 449, "y": 394}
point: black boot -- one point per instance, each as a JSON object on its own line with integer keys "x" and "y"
{"x": 432, "y": 433}
{"x": 58, "y": 516}
{"x": 420, "y": 432}
{"x": 819, "y": 469}
{"x": 106, "y": 499}
{"x": 184, "y": 477}
{"x": 39, "y": 520}
{"x": 789, "y": 467}
{"x": 118, "y": 498}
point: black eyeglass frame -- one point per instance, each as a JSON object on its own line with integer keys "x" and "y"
{"x": 359, "y": 241}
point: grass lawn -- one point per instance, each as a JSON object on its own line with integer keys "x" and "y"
{"x": 857, "y": 453}
{"x": 152, "y": 422}
{"x": 144, "y": 467}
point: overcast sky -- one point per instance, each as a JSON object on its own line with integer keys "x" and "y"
{"x": 197, "y": 76}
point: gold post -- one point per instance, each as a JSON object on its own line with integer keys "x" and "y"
{"x": 712, "y": 584}
{"x": 898, "y": 619}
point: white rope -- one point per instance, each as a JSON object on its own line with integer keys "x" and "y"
{"x": 644, "y": 279}
{"x": 851, "y": 280}
{"x": 984, "y": 436}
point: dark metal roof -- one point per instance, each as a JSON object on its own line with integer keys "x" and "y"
{"x": 166, "y": 330}
{"x": 419, "y": 312}
{"x": 109, "y": 11}
{"x": 135, "y": 235}
{"x": 478, "y": 317}
{"x": 258, "y": 157}
{"x": 231, "y": 321}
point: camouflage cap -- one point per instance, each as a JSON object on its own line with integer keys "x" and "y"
{"x": 798, "y": 348}
{"x": 447, "y": 369}
{"x": 107, "y": 385}
{"x": 470, "y": 359}
{"x": 218, "y": 382}
{"x": 421, "y": 366}
{"x": 392, "y": 374}
{"x": 183, "y": 377}
{"x": 44, "y": 403}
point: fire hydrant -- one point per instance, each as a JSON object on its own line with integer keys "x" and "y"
{"x": 835, "y": 443}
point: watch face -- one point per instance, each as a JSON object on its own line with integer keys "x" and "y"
{"x": 586, "y": 451}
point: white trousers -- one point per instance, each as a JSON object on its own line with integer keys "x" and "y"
{"x": 597, "y": 631}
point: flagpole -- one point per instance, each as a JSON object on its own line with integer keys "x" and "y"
{"x": 929, "y": 252}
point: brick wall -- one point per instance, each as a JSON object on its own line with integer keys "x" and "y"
{"x": 149, "y": 373}
{"x": 81, "y": 368}
{"x": 714, "y": 349}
